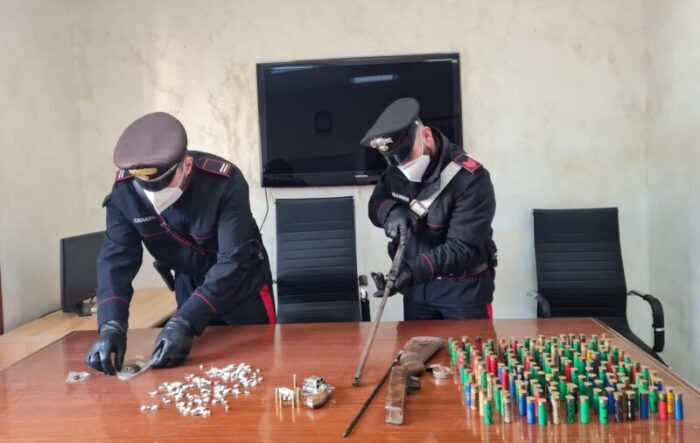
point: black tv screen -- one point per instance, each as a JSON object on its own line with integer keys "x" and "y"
{"x": 314, "y": 113}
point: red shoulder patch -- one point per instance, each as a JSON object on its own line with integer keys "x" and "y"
{"x": 214, "y": 166}
{"x": 468, "y": 163}
{"x": 123, "y": 175}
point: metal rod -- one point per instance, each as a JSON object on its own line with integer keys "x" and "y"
{"x": 376, "y": 389}
{"x": 391, "y": 278}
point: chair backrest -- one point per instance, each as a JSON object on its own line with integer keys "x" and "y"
{"x": 579, "y": 262}
{"x": 316, "y": 260}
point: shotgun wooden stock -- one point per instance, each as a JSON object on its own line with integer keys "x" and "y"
{"x": 416, "y": 352}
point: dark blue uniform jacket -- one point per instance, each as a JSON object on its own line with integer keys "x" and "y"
{"x": 454, "y": 241}
{"x": 209, "y": 234}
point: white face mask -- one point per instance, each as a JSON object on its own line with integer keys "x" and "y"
{"x": 414, "y": 169}
{"x": 165, "y": 198}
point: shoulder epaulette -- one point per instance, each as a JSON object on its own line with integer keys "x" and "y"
{"x": 214, "y": 166}
{"x": 123, "y": 175}
{"x": 467, "y": 162}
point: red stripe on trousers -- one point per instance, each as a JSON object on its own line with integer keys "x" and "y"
{"x": 489, "y": 311}
{"x": 266, "y": 298}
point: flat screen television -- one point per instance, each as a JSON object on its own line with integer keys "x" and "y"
{"x": 79, "y": 270}
{"x": 314, "y": 113}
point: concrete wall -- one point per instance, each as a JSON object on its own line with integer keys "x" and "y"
{"x": 673, "y": 131}
{"x": 41, "y": 190}
{"x": 553, "y": 96}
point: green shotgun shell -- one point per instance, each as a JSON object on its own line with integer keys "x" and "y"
{"x": 603, "y": 410}
{"x": 570, "y": 409}
{"x": 497, "y": 400}
{"x": 542, "y": 412}
{"x": 584, "y": 409}
{"x": 488, "y": 413}
{"x": 653, "y": 399}
{"x": 596, "y": 399}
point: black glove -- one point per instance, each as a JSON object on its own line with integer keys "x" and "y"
{"x": 397, "y": 222}
{"x": 112, "y": 341}
{"x": 173, "y": 343}
{"x": 403, "y": 279}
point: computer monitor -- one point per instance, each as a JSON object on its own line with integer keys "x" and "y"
{"x": 79, "y": 271}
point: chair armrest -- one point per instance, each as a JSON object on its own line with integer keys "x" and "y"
{"x": 657, "y": 314}
{"x": 542, "y": 303}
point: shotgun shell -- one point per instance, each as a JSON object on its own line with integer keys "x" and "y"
{"x": 497, "y": 401}
{"x": 531, "y": 410}
{"x": 556, "y": 409}
{"x": 669, "y": 400}
{"x": 512, "y": 388}
{"x": 507, "y": 409}
{"x": 488, "y": 413}
{"x": 663, "y": 407}
{"x": 609, "y": 392}
{"x": 653, "y": 399}
{"x": 467, "y": 394}
{"x": 542, "y": 412}
{"x": 643, "y": 406}
{"x": 678, "y": 407}
{"x": 631, "y": 407}
{"x": 570, "y": 409}
{"x": 572, "y": 389}
{"x": 584, "y": 409}
{"x": 474, "y": 396}
{"x": 619, "y": 407}
{"x": 603, "y": 410}
{"x": 482, "y": 400}
{"x": 505, "y": 383}
{"x": 522, "y": 403}
{"x": 581, "y": 384}
{"x": 596, "y": 399}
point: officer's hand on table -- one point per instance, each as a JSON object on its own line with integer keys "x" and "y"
{"x": 403, "y": 279}
{"x": 397, "y": 222}
{"x": 112, "y": 341}
{"x": 173, "y": 343}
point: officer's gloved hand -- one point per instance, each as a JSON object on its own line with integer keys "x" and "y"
{"x": 112, "y": 341}
{"x": 173, "y": 343}
{"x": 403, "y": 279}
{"x": 397, "y": 222}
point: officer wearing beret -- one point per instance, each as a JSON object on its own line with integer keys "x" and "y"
{"x": 191, "y": 211}
{"x": 446, "y": 198}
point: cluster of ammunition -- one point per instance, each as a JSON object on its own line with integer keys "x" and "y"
{"x": 558, "y": 380}
{"x": 196, "y": 394}
{"x": 283, "y": 395}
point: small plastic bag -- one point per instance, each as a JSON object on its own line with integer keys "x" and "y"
{"x": 77, "y": 377}
{"x": 134, "y": 367}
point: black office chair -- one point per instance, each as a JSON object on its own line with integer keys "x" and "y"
{"x": 580, "y": 271}
{"x": 316, "y": 262}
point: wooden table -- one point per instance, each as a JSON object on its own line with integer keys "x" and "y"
{"x": 36, "y": 404}
{"x": 149, "y": 308}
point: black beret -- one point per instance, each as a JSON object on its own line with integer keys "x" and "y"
{"x": 150, "y": 149}
{"x": 392, "y": 133}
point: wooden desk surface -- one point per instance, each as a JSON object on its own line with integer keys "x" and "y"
{"x": 36, "y": 404}
{"x": 149, "y": 308}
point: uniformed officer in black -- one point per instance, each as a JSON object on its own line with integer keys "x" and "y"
{"x": 191, "y": 211}
{"x": 448, "y": 272}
